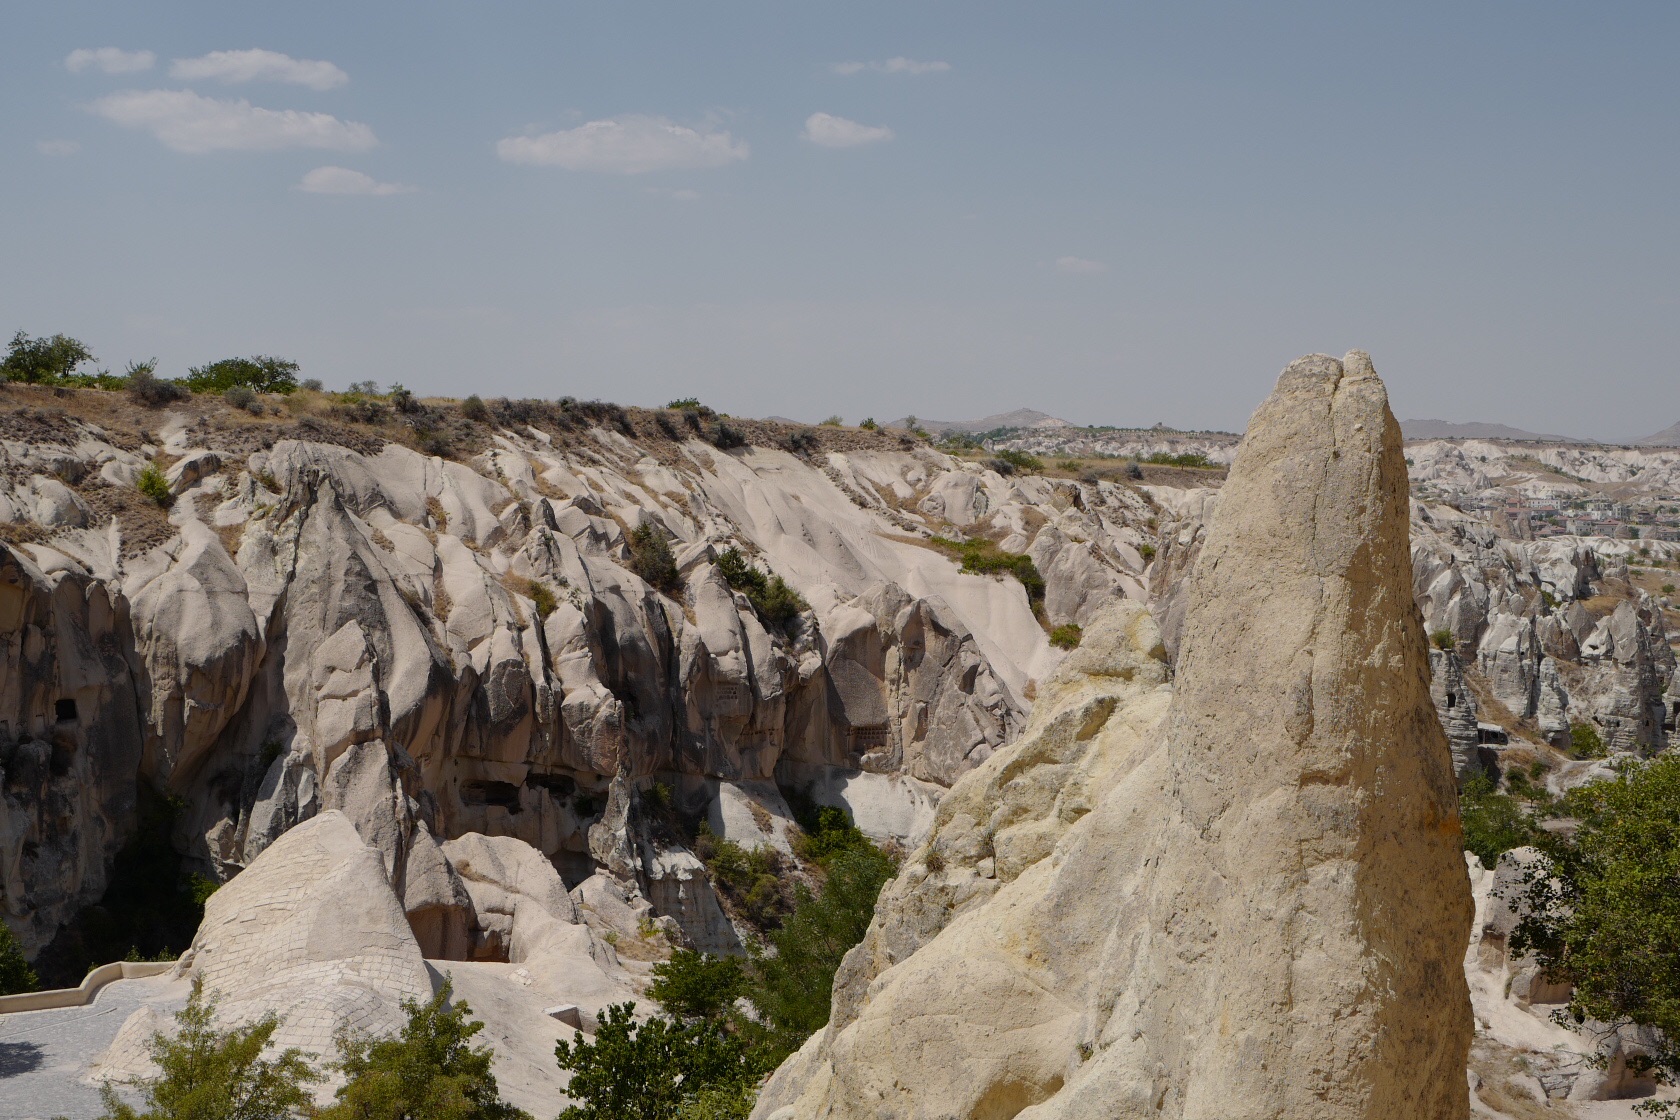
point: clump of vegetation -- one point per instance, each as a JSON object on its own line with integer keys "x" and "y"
{"x": 43, "y": 361}
{"x": 1134, "y": 470}
{"x": 147, "y": 389}
{"x": 833, "y": 422}
{"x": 687, "y": 404}
{"x": 15, "y": 973}
{"x": 430, "y": 1069}
{"x": 243, "y": 396}
{"x": 650, "y": 1070}
{"x": 1585, "y": 741}
{"x": 210, "y": 1073}
{"x": 1443, "y": 639}
{"x": 261, "y": 374}
{"x": 1194, "y": 459}
{"x": 693, "y": 985}
{"x": 1147, "y": 551}
{"x": 776, "y": 603}
{"x": 1602, "y": 910}
{"x": 793, "y": 978}
{"x": 156, "y": 487}
{"x": 1066, "y": 636}
{"x": 543, "y": 599}
{"x": 1668, "y": 589}
{"x": 869, "y": 424}
{"x": 474, "y": 409}
{"x": 753, "y": 882}
{"x": 984, "y": 557}
{"x": 1493, "y": 822}
{"x": 1021, "y": 461}
{"x": 802, "y": 442}
{"x": 957, "y": 442}
{"x": 650, "y": 558}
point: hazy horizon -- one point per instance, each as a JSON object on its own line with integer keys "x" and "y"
{"x": 1114, "y": 214}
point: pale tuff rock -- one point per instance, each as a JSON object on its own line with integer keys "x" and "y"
{"x": 1262, "y": 916}
{"x": 312, "y": 932}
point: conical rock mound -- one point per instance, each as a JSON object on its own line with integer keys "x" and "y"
{"x": 1264, "y": 913}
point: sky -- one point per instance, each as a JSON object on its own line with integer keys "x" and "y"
{"x": 1117, "y": 213}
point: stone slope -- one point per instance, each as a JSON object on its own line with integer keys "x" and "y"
{"x": 1256, "y": 909}
{"x": 450, "y": 647}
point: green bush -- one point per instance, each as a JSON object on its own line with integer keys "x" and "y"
{"x": 869, "y": 424}
{"x": 156, "y": 487}
{"x": 753, "y": 882}
{"x": 429, "y": 1070}
{"x": 1602, "y": 909}
{"x": 686, "y": 404}
{"x": 1066, "y": 636}
{"x": 833, "y": 422}
{"x": 984, "y": 557}
{"x": 542, "y": 599}
{"x": 146, "y": 388}
{"x": 1585, "y": 741}
{"x": 650, "y": 558}
{"x": 776, "y": 603}
{"x": 1443, "y": 639}
{"x": 1021, "y": 461}
{"x": 825, "y": 831}
{"x": 695, "y": 985}
{"x": 651, "y": 1070}
{"x": 793, "y": 981}
{"x": 43, "y": 361}
{"x": 1187, "y": 459}
{"x": 261, "y": 374}
{"x": 15, "y": 973}
{"x": 1147, "y": 551}
{"x": 242, "y": 396}
{"x": 210, "y": 1074}
{"x": 1668, "y": 589}
{"x": 474, "y": 409}
{"x": 1493, "y": 822}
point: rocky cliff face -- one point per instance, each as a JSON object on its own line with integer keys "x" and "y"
{"x": 328, "y": 620}
{"x": 1259, "y": 905}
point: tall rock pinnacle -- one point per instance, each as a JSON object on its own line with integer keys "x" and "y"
{"x": 1250, "y": 903}
{"x": 1309, "y": 910}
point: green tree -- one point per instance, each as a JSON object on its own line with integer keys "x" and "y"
{"x": 1494, "y": 822}
{"x": 429, "y": 1071}
{"x": 210, "y": 1074}
{"x": 650, "y": 558}
{"x": 260, "y": 373}
{"x": 40, "y": 361}
{"x": 1585, "y": 741}
{"x": 695, "y": 985}
{"x": 15, "y": 973}
{"x": 649, "y": 1070}
{"x": 776, "y": 603}
{"x": 1604, "y": 913}
{"x": 792, "y": 985}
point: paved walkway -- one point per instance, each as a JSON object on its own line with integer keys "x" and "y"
{"x": 45, "y": 1054}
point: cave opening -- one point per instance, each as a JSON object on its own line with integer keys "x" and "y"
{"x": 65, "y": 710}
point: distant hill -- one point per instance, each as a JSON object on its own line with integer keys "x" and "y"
{"x": 1668, "y": 437}
{"x": 1445, "y": 429}
{"x": 1020, "y": 418}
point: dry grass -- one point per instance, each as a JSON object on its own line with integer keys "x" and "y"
{"x": 442, "y": 604}
{"x": 232, "y": 537}
{"x": 21, "y": 532}
{"x": 1499, "y": 1066}
{"x": 438, "y": 515}
{"x": 379, "y": 538}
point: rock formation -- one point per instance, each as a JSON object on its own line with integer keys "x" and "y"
{"x": 1256, "y": 909}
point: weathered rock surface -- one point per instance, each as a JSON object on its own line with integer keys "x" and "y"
{"x": 1264, "y": 911}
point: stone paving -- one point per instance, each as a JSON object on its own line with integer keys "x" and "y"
{"x": 44, "y": 1055}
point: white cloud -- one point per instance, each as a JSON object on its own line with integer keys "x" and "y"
{"x": 1079, "y": 266}
{"x": 900, "y": 65}
{"x": 342, "y": 180}
{"x": 838, "y": 132}
{"x": 627, "y": 145}
{"x": 187, "y": 122}
{"x": 258, "y": 66}
{"x": 57, "y": 147}
{"x": 110, "y": 60}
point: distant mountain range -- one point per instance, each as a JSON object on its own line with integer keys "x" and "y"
{"x": 1445, "y": 429}
{"x": 1020, "y": 418}
{"x": 1668, "y": 437}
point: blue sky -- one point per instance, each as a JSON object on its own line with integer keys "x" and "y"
{"x": 1117, "y": 213}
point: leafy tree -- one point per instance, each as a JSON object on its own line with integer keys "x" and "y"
{"x": 792, "y": 987}
{"x": 15, "y": 973}
{"x": 650, "y": 558}
{"x": 776, "y": 603}
{"x": 155, "y": 486}
{"x": 260, "y": 373}
{"x": 210, "y": 1074}
{"x": 649, "y": 1070}
{"x": 40, "y": 361}
{"x": 1603, "y": 910}
{"x": 1585, "y": 741}
{"x": 695, "y": 985}
{"x": 1494, "y": 822}
{"x": 430, "y": 1071}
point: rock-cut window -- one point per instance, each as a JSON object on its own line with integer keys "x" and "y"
{"x": 65, "y": 709}
{"x": 1451, "y": 699}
